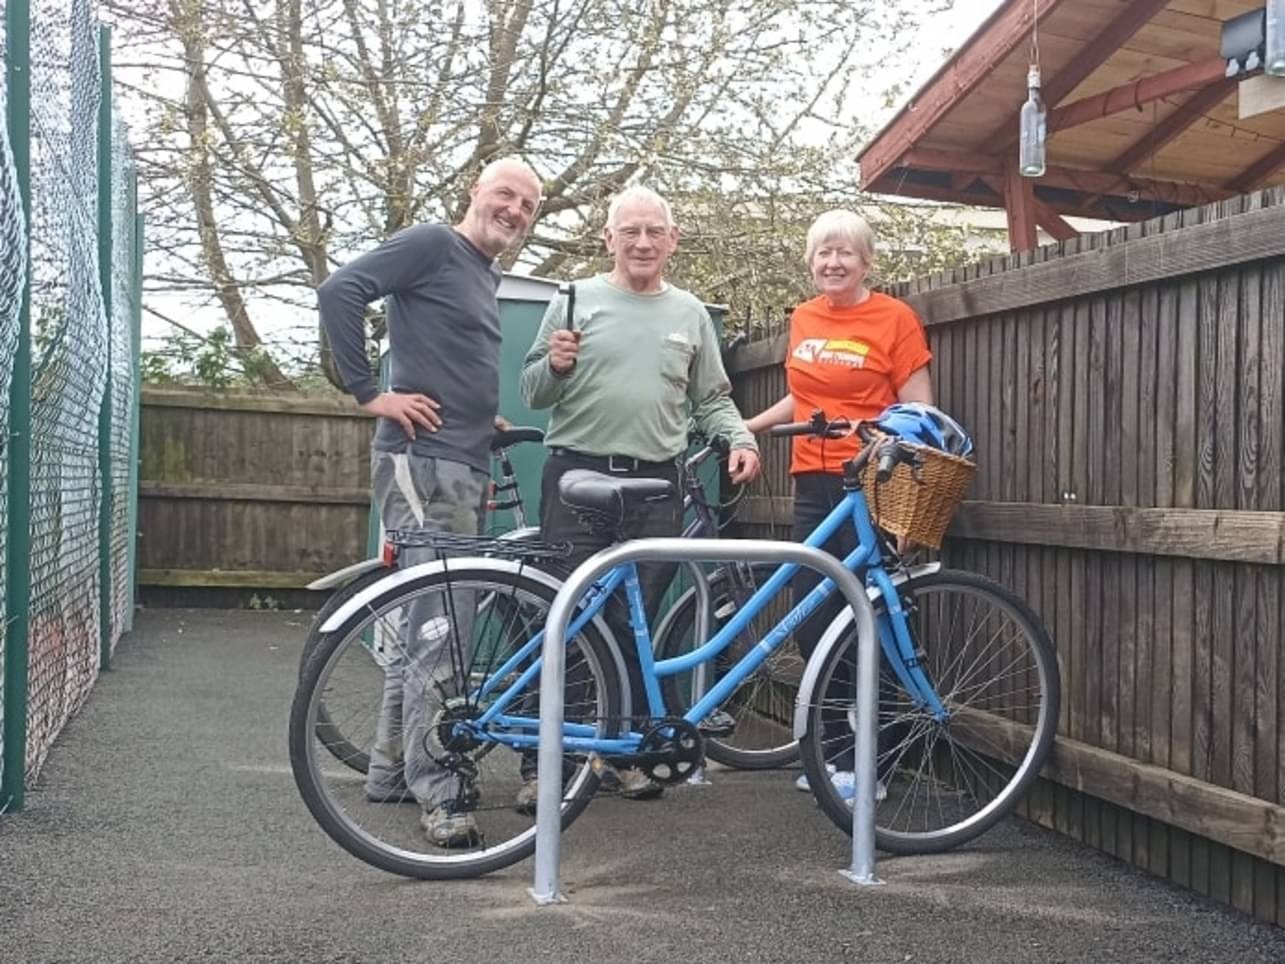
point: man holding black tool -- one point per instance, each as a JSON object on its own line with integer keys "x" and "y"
{"x": 619, "y": 359}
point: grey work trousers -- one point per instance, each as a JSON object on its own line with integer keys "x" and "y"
{"x": 417, "y": 492}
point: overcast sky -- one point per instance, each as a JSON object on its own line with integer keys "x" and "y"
{"x": 941, "y": 34}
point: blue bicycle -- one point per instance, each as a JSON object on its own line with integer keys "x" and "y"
{"x": 968, "y": 694}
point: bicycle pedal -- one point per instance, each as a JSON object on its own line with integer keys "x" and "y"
{"x": 717, "y": 723}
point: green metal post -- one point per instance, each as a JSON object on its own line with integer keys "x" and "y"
{"x": 135, "y": 403}
{"x": 18, "y": 543}
{"x": 105, "y": 282}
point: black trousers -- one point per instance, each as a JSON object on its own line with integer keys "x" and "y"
{"x": 815, "y": 495}
{"x": 560, "y": 524}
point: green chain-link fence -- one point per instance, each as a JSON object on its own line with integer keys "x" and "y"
{"x": 69, "y": 315}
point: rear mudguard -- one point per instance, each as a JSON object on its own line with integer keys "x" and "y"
{"x": 400, "y": 577}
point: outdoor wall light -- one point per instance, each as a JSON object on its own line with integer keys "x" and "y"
{"x": 1242, "y": 39}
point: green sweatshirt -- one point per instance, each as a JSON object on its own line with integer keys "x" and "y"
{"x": 642, "y": 359}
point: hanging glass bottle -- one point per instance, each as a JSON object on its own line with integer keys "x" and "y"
{"x": 1274, "y": 61}
{"x": 1033, "y": 129}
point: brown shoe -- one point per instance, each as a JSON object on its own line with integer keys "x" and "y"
{"x": 446, "y": 828}
{"x": 636, "y": 785}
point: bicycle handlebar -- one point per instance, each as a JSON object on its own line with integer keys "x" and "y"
{"x": 890, "y": 452}
{"x": 818, "y": 425}
{"x": 888, "y": 449}
{"x": 515, "y": 435}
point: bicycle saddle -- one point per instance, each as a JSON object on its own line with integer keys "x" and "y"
{"x": 504, "y": 437}
{"x": 608, "y": 497}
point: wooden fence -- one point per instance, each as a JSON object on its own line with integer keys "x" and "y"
{"x": 250, "y": 492}
{"x": 1125, "y": 391}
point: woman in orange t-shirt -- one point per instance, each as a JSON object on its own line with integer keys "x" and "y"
{"x": 852, "y": 353}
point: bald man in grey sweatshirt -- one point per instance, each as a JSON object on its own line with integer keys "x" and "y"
{"x": 430, "y": 458}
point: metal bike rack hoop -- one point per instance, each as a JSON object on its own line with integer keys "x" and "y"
{"x": 548, "y": 840}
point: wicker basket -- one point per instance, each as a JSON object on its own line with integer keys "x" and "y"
{"x": 920, "y": 511}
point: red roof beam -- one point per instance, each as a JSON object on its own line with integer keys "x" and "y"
{"x": 1053, "y": 223}
{"x": 1006, "y": 28}
{"x": 1044, "y": 215}
{"x": 1139, "y": 92}
{"x": 1019, "y": 206}
{"x": 1093, "y": 182}
{"x": 1258, "y": 172}
{"x": 1091, "y": 56}
{"x": 1186, "y": 114}
{"x": 929, "y": 193}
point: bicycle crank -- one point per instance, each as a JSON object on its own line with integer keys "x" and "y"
{"x": 671, "y": 750}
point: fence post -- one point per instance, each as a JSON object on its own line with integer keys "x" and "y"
{"x": 105, "y": 282}
{"x": 135, "y": 403}
{"x": 13, "y": 752}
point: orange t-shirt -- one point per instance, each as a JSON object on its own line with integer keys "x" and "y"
{"x": 848, "y": 362}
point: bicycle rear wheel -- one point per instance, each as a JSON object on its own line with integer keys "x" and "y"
{"x": 476, "y": 614}
{"x": 345, "y": 746}
{"x": 339, "y": 736}
{"x": 763, "y": 705}
{"x": 994, "y": 669}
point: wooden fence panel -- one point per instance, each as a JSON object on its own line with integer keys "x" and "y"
{"x": 208, "y": 519}
{"x": 1125, "y": 391}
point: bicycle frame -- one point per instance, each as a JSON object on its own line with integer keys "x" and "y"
{"x": 895, "y": 641}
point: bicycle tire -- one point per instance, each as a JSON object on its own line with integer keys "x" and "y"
{"x": 344, "y": 746}
{"x": 984, "y": 757}
{"x": 763, "y": 705}
{"x": 340, "y": 744}
{"x": 388, "y": 836}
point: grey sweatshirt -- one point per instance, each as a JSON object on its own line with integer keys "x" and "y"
{"x": 443, "y": 336}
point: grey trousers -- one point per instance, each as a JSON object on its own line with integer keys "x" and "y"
{"x": 415, "y": 492}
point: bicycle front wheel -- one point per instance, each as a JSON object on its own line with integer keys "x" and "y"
{"x": 411, "y": 669}
{"x": 943, "y": 779}
{"x": 763, "y": 705}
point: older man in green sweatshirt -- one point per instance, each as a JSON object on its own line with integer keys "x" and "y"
{"x": 620, "y": 381}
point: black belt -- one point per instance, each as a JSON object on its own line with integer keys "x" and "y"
{"x": 615, "y": 464}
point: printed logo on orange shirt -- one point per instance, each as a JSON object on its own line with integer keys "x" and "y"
{"x": 832, "y": 351}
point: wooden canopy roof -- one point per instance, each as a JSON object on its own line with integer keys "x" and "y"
{"x": 1142, "y": 119}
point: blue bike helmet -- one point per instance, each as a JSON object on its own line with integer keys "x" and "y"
{"x": 923, "y": 424}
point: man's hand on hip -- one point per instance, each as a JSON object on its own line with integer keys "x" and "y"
{"x": 407, "y": 410}
{"x": 742, "y": 465}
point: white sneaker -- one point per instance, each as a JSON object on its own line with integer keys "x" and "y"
{"x": 846, "y": 783}
{"x": 802, "y": 782}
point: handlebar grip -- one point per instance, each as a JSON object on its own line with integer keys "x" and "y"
{"x": 835, "y": 429}
{"x": 792, "y": 428}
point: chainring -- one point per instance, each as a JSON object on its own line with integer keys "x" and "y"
{"x": 671, "y": 750}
